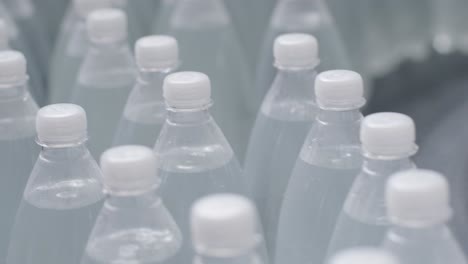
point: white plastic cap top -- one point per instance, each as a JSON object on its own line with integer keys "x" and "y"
{"x": 157, "y": 52}
{"x": 364, "y": 256}
{"x": 296, "y": 50}
{"x": 84, "y": 7}
{"x": 129, "y": 170}
{"x": 418, "y": 198}
{"x": 61, "y": 124}
{"x": 390, "y": 135}
{"x": 339, "y": 90}
{"x": 187, "y": 89}
{"x": 107, "y": 26}
{"x": 224, "y": 225}
{"x": 4, "y": 34}
{"x": 12, "y": 67}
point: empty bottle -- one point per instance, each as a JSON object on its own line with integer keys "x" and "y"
{"x": 71, "y": 48}
{"x": 364, "y": 255}
{"x": 308, "y": 16}
{"x": 194, "y": 157}
{"x": 283, "y": 122}
{"x": 419, "y": 210}
{"x": 325, "y": 169}
{"x": 225, "y": 230}
{"x": 63, "y": 195}
{"x": 209, "y": 44}
{"x": 388, "y": 142}
{"x": 145, "y": 112}
{"x": 106, "y": 76}
{"x": 17, "y": 147}
{"x": 133, "y": 226}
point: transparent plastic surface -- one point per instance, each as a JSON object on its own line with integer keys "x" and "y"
{"x": 18, "y": 41}
{"x": 304, "y": 16}
{"x": 18, "y": 152}
{"x": 103, "y": 85}
{"x": 278, "y": 135}
{"x": 133, "y": 229}
{"x": 195, "y": 160}
{"x": 329, "y": 161}
{"x": 60, "y": 203}
{"x": 450, "y": 32}
{"x": 145, "y": 111}
{"x": 208, "y": 43}
{"x": 246, "y": 258}
{"x": 363, "y": 220}
{"x": 68, "y": 54}
{"x": 432, "y": 245}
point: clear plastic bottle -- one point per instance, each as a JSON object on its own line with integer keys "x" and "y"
{"x": 225, "y": 231}
{"x": 283, "y": 122}
{"x": 145, "y": 112}
{"x": 71, "y": 48}
{"x": 208, "y": 43}
{"x": 418, "y": 206}
{"x": 28, "y": 19}
{"x": 134, "y": 225}
{"x": 195, "y": 158}
{"x": 17, "y": 147}
{"x": 388, "y": 142}
{"x": 364, "y": 255}
{"x": 63, "y": 195}
{"x": 106, "y": 77}
{"x": 450, "y": 32}
{"x": 325, "y": 169}
{"x": 307, "y": 16}
{"x": 18, "y": 41}
{"x": 136, "y": 25}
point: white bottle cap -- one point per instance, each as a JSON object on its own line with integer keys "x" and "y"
{"x": 157, "y": 52}
{"x": 363, "y": 256}
{"x": 296, "y": 51}
{"x": 390, "y": 135}
{"x": 107, "y": 26}
{"x": 12, "y": 67}
{"x": 418, "y": 198}
{"x": 224, "y": 225}
{"x": 339, "y": 90}
{"x": 61, "y": 124}
{"x": 129, "y": 170}
{"x": 84, "y": 7}
{"x": 187, "y": 90}
{"x": 4, "y": 35}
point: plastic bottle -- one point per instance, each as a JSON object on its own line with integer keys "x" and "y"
{"x": 63, "y": 194}
{"x": 225, "y": 230}
{"x": 450, "y": 33}
{"x": 364, "y": 255}
{"x": 208, "y": 43}
{"x": 17, "y": 146}
{"x": 133, "y": 226}
{"x": 28, "y": 19}
{"x": 325, "y": 169}
{"x": 418, "y": 206}
{"x": 307, "y": 16}
{"x": 18, "y": 41}
{"x": 195, "y": 159}
{"x": 52, "y": 13}
{"x": 145, "y": 112}
{"x": 388, "y": 142}
{"x": 106, "y": 76}
{"x": 136, "y": 24}
{"x": 283, "y": 122}
{"x": 71, "y": 48}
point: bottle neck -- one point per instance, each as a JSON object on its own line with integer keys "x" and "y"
{"x": 13, "y": 91}
{"x": 71, "y": 151}
{"x": 110, "y": 47}
{"x": 189, "y": 116}
{"x": 140, "y": 200}
{"x": 434, "y": 232}
{"x": 335, "y": 119}
{"x": 297, "y": 80}
{"x": 386, "y": 167}
{"x": 249, "y": 258}
{"x": 149, "y": 77}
